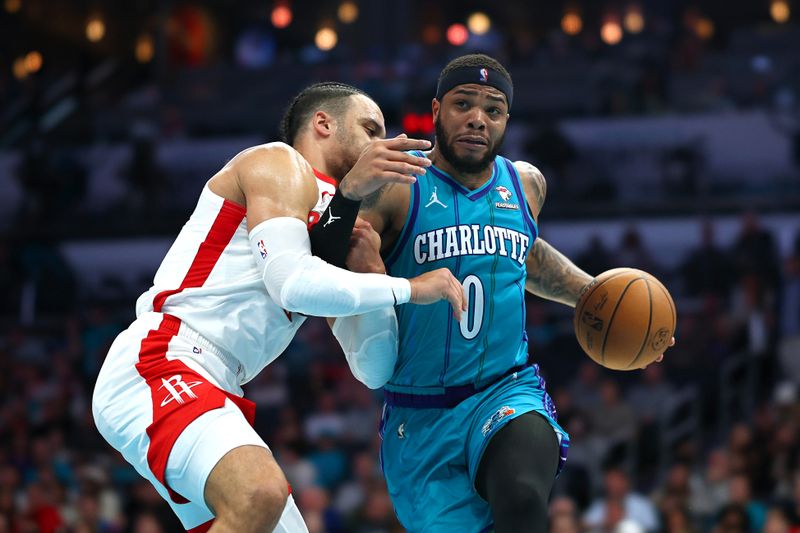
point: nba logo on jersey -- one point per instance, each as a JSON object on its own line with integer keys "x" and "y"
{"x": 262, "y": 249}
{"x": 484, "y": 75}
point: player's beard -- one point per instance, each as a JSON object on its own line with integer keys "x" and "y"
{"x": 462, "y": 164}
{"x": 346, "y": 157}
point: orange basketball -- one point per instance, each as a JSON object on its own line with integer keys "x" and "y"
{"x": 625, "y": 319}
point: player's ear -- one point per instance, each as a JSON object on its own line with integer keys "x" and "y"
{"x": 435, "y": 106}
{"x": 323, "y": 123}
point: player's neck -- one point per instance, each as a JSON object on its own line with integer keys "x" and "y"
{"x": 316, "y": 159}
{"x": 471, "y": 181}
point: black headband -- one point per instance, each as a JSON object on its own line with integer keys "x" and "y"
{"x": 479, "y": 75}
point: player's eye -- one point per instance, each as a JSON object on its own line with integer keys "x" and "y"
{"x": 494, "y": 110}
{"x": 462, "y": 104}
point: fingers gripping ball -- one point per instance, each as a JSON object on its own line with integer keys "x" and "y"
{"x": 625, "y": 319}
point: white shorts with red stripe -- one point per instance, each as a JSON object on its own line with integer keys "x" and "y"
{"x": 171, "y": 404}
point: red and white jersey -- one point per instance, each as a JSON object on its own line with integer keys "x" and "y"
{"x": 210, "y": 281}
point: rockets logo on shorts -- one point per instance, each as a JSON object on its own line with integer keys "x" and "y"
{"x": 176, "y": 388}
{"x": 262, "y": 249}
{"x": 492, "y": 421}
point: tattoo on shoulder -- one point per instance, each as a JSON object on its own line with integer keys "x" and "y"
{"x": 535, "y": 179}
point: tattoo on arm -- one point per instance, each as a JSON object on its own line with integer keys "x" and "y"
{"x": 370, "y": 200}
{"x": 553, "y": 276}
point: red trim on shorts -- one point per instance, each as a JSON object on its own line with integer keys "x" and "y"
{"x": 325, "y": 178}
{"x": 180, "y": 395}
{"x": 202, "y": 528}
{"x": 219, "y": 236}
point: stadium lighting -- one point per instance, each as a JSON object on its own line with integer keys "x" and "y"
{"x": 780, "y": 11}
{"x": 634, "y": 19}
{"x": 704, "y": 28}
{"x": 13, "y": 6}
{"x": 611, "y": 31}
{"x": 348, "y": 12}
{"x": 479, "y": 23}
{"x": 144, "y": 49}
{"x": 457, "y": 34}
{"x": 95, "y": 29}
{"x": 571, "y": 22}
{"x": 33, "y": 62}
{"x": 19, "y": 68}
{"x": 326, "y": 38}
{"x": 281, "y": 15}
{"x": 431, "y": 34}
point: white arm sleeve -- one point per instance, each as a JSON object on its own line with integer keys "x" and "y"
{"x": 369, "y": 342}
{"x": 302, "y": 283}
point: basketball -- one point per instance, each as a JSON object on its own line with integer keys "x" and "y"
{"x": 625, "y": 319}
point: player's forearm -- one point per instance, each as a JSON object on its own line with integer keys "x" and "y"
{"x": 553, "y": 276}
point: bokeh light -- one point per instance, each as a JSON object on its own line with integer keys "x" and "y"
{"x": 457, "y": 34}
{"x": 326, "y": 39}
{"x": 611, "y": 31}
{"x": 95, "y": 29}
{"x": 634, "y": 19}
{"x": 348, "y": 12}
{"x": 431, "y": 34}
{"x": 479, "y": 23}
{"x": 780, "y": 11}
{"x": 13, "y": 6}
{"x": 145, "y": 49}
{"x": 281, "y": 16}
{"x": 571, "y": 23}
{"x": 33, "y": 61}
{"x": 704, "y": 28}
{"x": 19, "y": 68}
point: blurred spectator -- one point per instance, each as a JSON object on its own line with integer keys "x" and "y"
{"x": 710, "y": 489}
{"x": 613, "y": 420}
{"x": 707, "y": 270}
{"x": 318, "y": 514}
{"x": 753, "y": 305}
{"x": 741, "y": 494}
{"x": 326, "y": 420}
{"x": 563, "y": 516}
{"x": 585, "y": 388}
{"x": 619, "y": 503}
{"x": 754, "y": 252}
{"x": 596, "y": 259}
{"x": 777, "y": 522}
{"x": 633, "y": 253}
{"x": 732, "y": 519}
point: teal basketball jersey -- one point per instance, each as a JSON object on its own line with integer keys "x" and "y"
{"x": 483, "y": 236}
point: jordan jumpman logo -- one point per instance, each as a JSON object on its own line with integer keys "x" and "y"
{"x": 435, "y": 199}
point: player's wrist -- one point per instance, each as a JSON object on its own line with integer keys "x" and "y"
{"x": 348, "y": 192}
{"x": 402, "y": 290}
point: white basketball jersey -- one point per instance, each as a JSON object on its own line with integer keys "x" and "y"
{"x": 209, "y": 279}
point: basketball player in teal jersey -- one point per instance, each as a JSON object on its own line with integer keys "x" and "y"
{"x": 470, "y": 437}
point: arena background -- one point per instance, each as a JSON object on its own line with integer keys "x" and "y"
{"x": 669, "y": 132}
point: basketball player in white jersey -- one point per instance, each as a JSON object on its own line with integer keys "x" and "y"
{"x": 230, "y": 295}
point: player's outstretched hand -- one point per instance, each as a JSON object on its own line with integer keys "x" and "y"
{"x": 439, "y": 284}
{"x": 385, "y": 161}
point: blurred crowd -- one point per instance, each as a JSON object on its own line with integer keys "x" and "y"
{"x": 643, "y": 456}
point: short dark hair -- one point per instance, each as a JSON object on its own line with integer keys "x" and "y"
{"x": 328, "y": 96}
{"x": 475, "y": 60}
